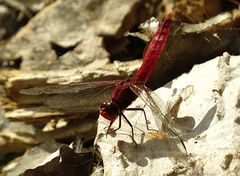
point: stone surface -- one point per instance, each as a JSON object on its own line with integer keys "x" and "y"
{"x": 206, "y": 121}
{"x": 64, "y": 34}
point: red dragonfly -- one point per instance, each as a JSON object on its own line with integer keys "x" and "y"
{"x": 85, "y": 96}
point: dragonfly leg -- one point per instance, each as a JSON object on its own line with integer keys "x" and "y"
{"x": 119, "y": 123}
{"x": 145, "y": 117}
{"x": 129, "y": 123}
{"x": 109, "y": 127}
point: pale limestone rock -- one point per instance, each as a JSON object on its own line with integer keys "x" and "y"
{"x": 207, "y": 120}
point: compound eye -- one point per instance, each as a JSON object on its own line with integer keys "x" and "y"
{"x": 109, "y": 110}
{"x": 104, "y": 106}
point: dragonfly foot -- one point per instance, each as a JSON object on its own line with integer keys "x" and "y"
{"x": 138, "y": 146}
{"x": 110, "y": 130}
{"x": 134, "y": 142}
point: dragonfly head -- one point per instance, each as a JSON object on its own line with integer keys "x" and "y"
{"x": 109, "y": 110}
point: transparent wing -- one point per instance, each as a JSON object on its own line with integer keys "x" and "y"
{"x": 77, "y": 97}
{"x": 156, "y": 105}
{"x": 161, "y": 116}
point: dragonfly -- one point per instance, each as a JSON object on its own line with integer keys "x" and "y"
{"x": 89, "y": 95}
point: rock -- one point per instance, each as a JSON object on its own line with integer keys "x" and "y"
{"x": 31, "y": 158}
{"x": 64, "y": 34}
{"x": 211, "y": 139}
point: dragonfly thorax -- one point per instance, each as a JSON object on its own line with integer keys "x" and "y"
{"x": 109, "y": 110}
